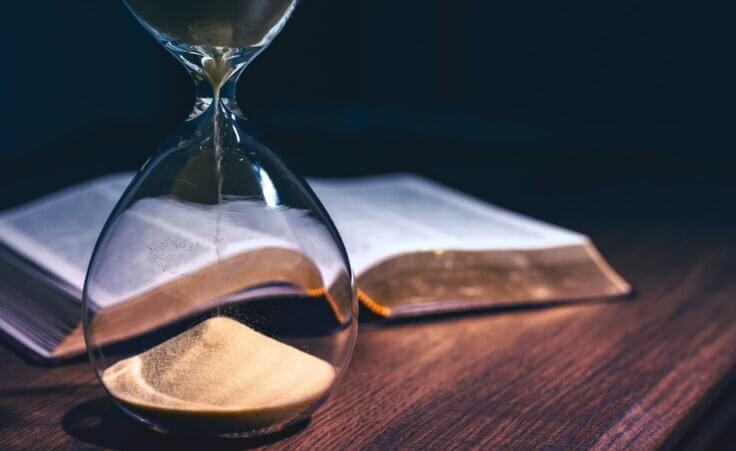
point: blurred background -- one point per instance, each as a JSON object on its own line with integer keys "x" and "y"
{"x": 517, "y": 102}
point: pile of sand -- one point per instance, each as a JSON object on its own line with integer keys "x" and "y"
{"x": 220, "y": 371}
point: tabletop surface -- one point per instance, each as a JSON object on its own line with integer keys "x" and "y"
{"x": 643, "y": 372}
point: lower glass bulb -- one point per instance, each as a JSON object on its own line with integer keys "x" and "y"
{"x": 219, "y": 299}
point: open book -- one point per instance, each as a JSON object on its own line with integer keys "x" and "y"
{"x": 416, "y": 247}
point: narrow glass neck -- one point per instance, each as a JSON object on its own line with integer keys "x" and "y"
{"x": 215, "y": 71}
{"x": 206, "y": 96}
{"x": 205, "y": 89}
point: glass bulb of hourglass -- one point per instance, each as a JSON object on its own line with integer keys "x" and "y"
{"x": 219, "y": 299}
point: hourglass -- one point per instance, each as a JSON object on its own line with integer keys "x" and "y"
{"x": 219, "y": 299}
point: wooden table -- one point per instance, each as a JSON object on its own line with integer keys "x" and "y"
{"x": 652, "y": 371}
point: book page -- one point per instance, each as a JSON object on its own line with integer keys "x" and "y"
{"x": 159, "y": 239}
{"x": 164, "y": 239}
{"x": 378, "y": 217}
{"x": 382, "y": 216}
{"x": 58, "y": 232}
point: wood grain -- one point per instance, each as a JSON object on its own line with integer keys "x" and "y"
{"x": 634, "y": 374}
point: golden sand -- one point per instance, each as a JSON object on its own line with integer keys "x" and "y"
{"x": 220, "y": 374}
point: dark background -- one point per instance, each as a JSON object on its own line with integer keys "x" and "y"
{"x": 566, "y": 110}
{"x": 513, "y": 101}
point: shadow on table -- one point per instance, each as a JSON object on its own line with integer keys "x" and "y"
{"x": 101, "y": 423}
{"x": 20, "y": 406}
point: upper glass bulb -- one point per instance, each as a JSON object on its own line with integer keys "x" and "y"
{"x": 219, "y": 299}
{"x": 218, "y": 23}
